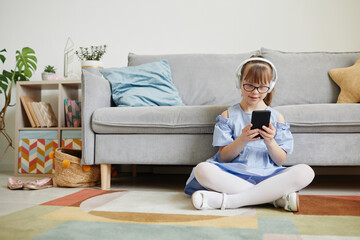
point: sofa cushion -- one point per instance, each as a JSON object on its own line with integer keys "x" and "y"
{"x": 201, "y": 79}
{"x": 148, "y": 84}
{"x": 303, "y": 76}
{"x": 348, "y": 79}
{"x": 164, "y": 119}
{"x": 322, "y": 118}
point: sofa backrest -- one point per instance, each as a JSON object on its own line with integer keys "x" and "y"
{"x": 303, "y": 76}
{"x": 201, "y": 79}
{"x": 209, "y": 79}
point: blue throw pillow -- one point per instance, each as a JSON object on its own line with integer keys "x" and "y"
{"x": 148, "y": 84}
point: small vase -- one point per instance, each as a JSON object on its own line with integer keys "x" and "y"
{"x": 47, "y": 76}
{"x": 92, "y": 64}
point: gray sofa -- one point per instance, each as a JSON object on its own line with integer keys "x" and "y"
{"x": 325, "y": 133}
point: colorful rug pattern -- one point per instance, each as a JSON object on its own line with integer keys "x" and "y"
{"x": 98, "y": 214}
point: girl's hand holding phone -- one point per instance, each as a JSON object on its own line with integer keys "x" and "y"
{"x": 268, "y": 133}
{"x": 248, "y": 134}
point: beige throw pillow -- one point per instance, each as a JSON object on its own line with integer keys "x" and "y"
{"x": 348, "y": 79}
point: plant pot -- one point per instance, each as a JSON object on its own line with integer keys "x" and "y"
{"x": 92, "y": 64}
{"x": 47, "y": 76}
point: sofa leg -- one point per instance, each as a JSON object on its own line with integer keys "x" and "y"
{"x": 105, "y": 176}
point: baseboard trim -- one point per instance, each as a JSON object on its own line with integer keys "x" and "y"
{"x": 336, "y": 170}
{"x": 184, "y": 169}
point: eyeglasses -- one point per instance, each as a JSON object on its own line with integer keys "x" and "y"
{"x": 261, "y": 89}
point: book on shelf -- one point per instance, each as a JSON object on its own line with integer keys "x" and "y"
{"x": 37, "y": 123}
{"x": 24, "y": 101}
{"x": 47, "y": 114}
{"x": 40, "y": 114}
{"x": 36, "y": 108}
{"x": 72, "y": 113}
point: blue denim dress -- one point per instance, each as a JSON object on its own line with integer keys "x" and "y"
{"x": 254, "y": 163}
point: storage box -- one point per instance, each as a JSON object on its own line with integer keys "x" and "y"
{"x": 34, "y": 150}
{"x": 71, "y": 139}
{"x": 69, "y": 171}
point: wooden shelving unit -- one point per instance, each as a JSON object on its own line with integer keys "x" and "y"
{"x": 56, "y": 92}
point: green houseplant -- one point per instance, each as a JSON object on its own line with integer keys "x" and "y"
{"x": 90, "y": 57}
{"x": 50, "y": 69}
{"x": 24, "y": 68}
{"x": 48, "y": 72}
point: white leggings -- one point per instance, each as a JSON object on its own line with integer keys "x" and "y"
{"x": 243, "y": 193}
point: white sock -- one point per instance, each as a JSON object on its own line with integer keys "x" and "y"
{"x": 280, "y": 202}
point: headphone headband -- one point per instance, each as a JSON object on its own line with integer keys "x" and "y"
{"x": 241, "y": 65}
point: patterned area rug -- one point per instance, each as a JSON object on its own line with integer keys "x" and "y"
{"x": 97, "y": 214}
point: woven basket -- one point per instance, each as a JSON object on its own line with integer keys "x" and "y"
{"x": 74, "y": 174}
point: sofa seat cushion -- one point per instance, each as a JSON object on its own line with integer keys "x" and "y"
{"x": 156, "y": 119}
{"x": 322, "y": 118}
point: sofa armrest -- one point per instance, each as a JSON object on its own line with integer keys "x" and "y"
{"x": 96, "y": 93}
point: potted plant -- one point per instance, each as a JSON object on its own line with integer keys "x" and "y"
{"x": 24, "y": 68}
{"x": 48, "y": 73}
{"x": 90, "y": 57}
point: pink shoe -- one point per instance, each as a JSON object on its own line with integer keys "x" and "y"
{"x": 39, "y": 184}
{"x": 14, "y": 183}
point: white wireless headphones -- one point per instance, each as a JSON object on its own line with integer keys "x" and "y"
{"x": 274, "y": 73}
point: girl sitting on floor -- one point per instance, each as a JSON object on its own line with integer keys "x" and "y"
{"x": 247, "y": 170}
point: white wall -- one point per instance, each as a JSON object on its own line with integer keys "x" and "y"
{"x": 171, "y": 26}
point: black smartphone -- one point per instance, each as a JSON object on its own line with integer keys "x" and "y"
{"x": 260, "y": 118}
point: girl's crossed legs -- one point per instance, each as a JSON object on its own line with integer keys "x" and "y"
{"x": 242, "y": 193}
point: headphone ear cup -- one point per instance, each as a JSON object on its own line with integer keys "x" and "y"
{"x": 272, "y": 85}
{"x": 238, "y": 76}
{"x": 237, "y": 83}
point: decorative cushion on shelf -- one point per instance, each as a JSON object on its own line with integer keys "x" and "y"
{"x": 348, "y": 79}
{"x": 144, "y": 85}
